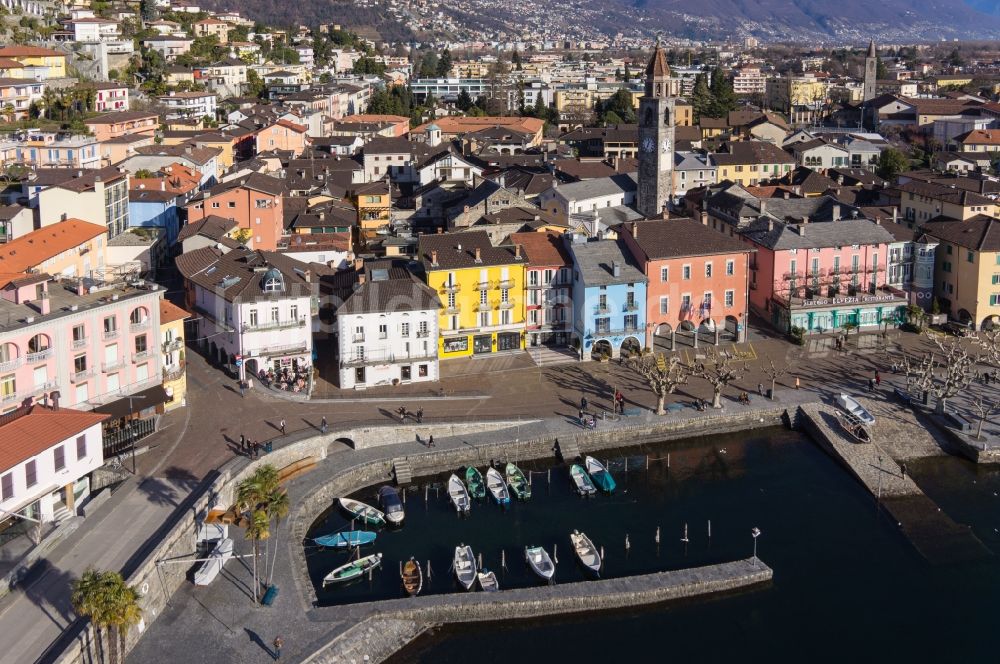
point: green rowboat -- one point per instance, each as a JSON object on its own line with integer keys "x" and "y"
{"x": 365, "y": 513}
{"x": 353, "y": 570}
{"x": 474, "y": 480}
{"x": 518, "y": 482}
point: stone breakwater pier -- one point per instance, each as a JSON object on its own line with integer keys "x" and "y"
{"x": 879, "y": 466}
{"x": 382, "y": 628}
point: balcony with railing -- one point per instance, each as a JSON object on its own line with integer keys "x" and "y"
{"x": 486, "y": 306}
{"x": 45, "y": 387}
{"x": 358, "y": 338}
{"x": 173, "y": 372}
{"x": 80, "y": 343}
{"x": 263, "y": 326}
{"x": 10, "y": 365}
{"x": 505, "y": 283}
{"x": 630, "y": 307}
{"x": 212, "y": 318}
{"x": 482, "y": 285}
{"x": 173, "y": 345}
{"x": 451, "y": 288}
{"x": 39, "y": 356}
{"x": 286, "y": 349}
{"x": 453, "y": 310}
{"x": 141, "y": 356}
{"x": 614, "y": 332}
{"x": 114, "y": 365}
{"x": 601, "y": 309}
{"x": 81, "y": 376}
{"x": 388, "y": 357}
{"x": 508, "y": 304}
{"x": 423, "y": 334}
{"x": 138, "y": 327}
{"x": 109, "y": 335}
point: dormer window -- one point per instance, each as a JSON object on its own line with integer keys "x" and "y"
{"x": 273, "y": 282}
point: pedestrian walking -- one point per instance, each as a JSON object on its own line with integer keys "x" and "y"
{"x": 583, "y": 403}
{"x": 278, "y": 643}
{"x": 902, "y": 469}
{"x": 420, "y": 415}
{"x": 878, "y": 378}
{"x": 243, "y": 443}
{"x": 760, "y": 389}
{"x": 871, "y": 384}
{"x": 256, "y": 450}
{"x": 322, "y": 425}
{"x": 579, "y": 415}
{"x": 796, "y": 382}
{"x": 282, "y": 425}
{"x": 243, "y": 390}
{"x": 430, "y": 441}
{"x": 401, "y": 411}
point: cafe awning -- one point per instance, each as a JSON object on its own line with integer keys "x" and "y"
{"x": 148, "y": 398}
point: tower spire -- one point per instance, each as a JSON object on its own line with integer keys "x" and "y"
{"x": 871, "y": 49}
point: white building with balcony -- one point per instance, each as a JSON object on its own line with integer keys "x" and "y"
{"x": 254, "y": 310}
{"x": 45, "y": 469}
{"x": 387, "y": 329}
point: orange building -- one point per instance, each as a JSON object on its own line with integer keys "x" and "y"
{"x": 698, "y": 281}
{"x": 255, "y": 202}
{"x": 282, "y": 135}
{"x": 122, "y": 123}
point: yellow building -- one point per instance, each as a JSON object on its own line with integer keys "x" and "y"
{"x": 374, "y": 203}
{"x": 967, "y": 269}
{"x": 800, "y": 98}
{"x": 172, "y": 348}
{"x": 35, "y": 56}
{"x": 920, "y": 202}
{"x": 751, "y": 163}
{"x": 481, "y": 288}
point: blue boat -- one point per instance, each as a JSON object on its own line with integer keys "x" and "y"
{"x": 346, "y": 539}
{"x": 602, "y": 478}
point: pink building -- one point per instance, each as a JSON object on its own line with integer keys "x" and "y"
{"x": 94, "y": 345}
{"x": 822, "y": 276}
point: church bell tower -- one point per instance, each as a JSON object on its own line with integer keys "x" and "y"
{"x": 656, "y": 138}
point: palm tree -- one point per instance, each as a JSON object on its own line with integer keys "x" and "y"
{"x": 253, "y": 495}
{"x": 8, "y": 112}
{"x": 110, "y": 603}
{"x": 277, "y": 509}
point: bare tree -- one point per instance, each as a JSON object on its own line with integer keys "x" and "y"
{"x": 943, "y": 373}
{"x": 984, "y": 408}
{"x": 663, "y": 375}
{"x": 773, "y": 371}
{"x": 988, "y": 342}
{"x": 719, "y": 370}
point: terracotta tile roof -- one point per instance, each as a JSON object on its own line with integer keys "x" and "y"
{"x": 301, "y": 129}
{"x": 170, "y": 312}
{"x": 980, "y": 233}
{"x": 462, "y": 125}
{"x": 38, "y": 246}
{"x": 121, "y": 116}
{"x": 30, "y": 432}
{"x": 658, "y": 67}
{"x": 458, "y": 251}
{"x": 543, "y": 248}
{"x": 28, "y": 52}
{"x": 7, "y": 63}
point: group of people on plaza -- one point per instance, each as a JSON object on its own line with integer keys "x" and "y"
{"x": 287, "y": 378}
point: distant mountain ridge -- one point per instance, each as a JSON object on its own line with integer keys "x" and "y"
{"x": 769, "y": 20}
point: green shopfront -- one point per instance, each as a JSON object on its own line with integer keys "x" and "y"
{"x": 824, "y": 315}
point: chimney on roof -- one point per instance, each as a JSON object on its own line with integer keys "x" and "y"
{"x": 359, "y": 263}
{"x": 55, "y": 399}
{"x": 44, "y": 306}
{"x": 517, "y": 251}
{"x": 894, "y": 210}
{"x": 787, "y": 194}
{"x": 835, "y": 213}
{"x": 616, "y": 269}
{"x": 479, "y": 256}
{"x": 361, "y": 278}
{"x": 79, "y": 286}
{"x": 763, "y": 205}
{"x": 770, "y": 225}
{"x": 805, "y": 220}
{"x": 704, "y": 218}
{"x": 163, "y": 185}
{"x": 63, "y": 217}
{"x": 434, "y": 258}
{"x": 635, "y": 230}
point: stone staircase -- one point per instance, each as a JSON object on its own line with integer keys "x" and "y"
{"x": 570, "y": 450}
{"x": 402, "y": 470}
{"x": 544, "y": 356}
{"x": 61, "y": 514}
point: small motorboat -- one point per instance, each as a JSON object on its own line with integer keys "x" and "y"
{"x": 854, "y": 427}
{"x": 600, "y": 475}
{"x": 353, "y": 570}
{"x": 540, "y": 562}
{"x": 586, "y": 552}
{"x": 474, "y": 480}
{"x": 392, "y": 505}
{"x": 366, "y": 513}
{"x": 488, "y": 581}
{"x": 465, "y": 566}
{"x": 413, "y": 577}
{"x": 497, "y": 487}
{"x": 458, "y": 494}
{"x": 346, "y": 539}
{"x": 852, "y": 406}
{"x": 581, "y": 480}
{"x": 518, "y": 482}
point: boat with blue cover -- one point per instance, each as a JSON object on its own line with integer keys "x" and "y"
{"x": 346, "y": 539}
{"x": 602, "y": 478}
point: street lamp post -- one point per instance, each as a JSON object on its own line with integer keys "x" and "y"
{"x": 131, "y": 431}
{"x": 756, "y": 533}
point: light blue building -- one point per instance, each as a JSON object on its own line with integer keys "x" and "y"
{"x": 152, "y": 208}
{"x": 609, "y": 298}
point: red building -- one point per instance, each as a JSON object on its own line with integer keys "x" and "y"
{"x": 548, "y": 288}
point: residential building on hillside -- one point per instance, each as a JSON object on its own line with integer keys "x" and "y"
{"x": 750, "y": 163}
{"x": 39, "y": 63}
{"x": 481, "y": 288}
{"x": 123, "y": 123}
{"x": 565, "y": 201}
{"x": 967, "y": 270}
{"x": 19, "y": 94}
{"x": 255, "y": 201}
{"x": 97, "y": 196}
{"x": 68, "y": 248}
{"x": 172, "y": 320}
{"x": 921, "y": 202}
{"x": 181, "y": 105}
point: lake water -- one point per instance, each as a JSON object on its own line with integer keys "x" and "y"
{"x": 847, "y": 583}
